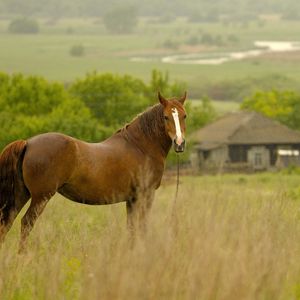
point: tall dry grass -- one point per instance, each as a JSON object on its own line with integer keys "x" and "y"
{"x": 236, "y": 238}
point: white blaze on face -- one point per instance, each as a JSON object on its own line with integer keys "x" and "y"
{"x": 179, "y": 138}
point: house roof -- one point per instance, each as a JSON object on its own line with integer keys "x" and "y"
{"x": 244, "y": 127}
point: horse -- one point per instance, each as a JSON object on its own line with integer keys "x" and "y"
{"x": 126, "y": 167}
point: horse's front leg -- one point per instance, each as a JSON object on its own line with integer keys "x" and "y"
{"x": 144, "y": 210}
{"x": 138, "y": 209}
{"x": 131, "y": 215}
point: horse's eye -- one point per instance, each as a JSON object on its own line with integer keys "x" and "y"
{"x": 166, "y": 118}
{"x": 184, "y": 116}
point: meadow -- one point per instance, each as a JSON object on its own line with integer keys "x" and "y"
{"x": 235, "y": 237}
{"x": 47, "y": 53}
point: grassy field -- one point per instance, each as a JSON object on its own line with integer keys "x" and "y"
{"x": 47, "y": 53}
{"x": 238, "y": 237}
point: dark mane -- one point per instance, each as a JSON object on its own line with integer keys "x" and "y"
{"x": 152, "y": 126}
{"x": 152, "y": 121}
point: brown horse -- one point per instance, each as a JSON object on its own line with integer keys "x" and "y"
{"x": 128, "y": 166}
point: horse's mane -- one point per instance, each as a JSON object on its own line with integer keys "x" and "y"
{"x": 151, "y": 124}
{"x": 151, "y": 121}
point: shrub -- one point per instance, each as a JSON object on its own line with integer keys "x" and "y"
{"x": 193, "y": 40}
{"x": 161, "y": 82}
{"x": 167, "y": 18}
{"x": 283, "y": 106}
{"x": 170, "y": 44}
{"x": 32, "y": 105}
{"x": 77, "y": 50}
{"x": 232, "y": 39}
{"x": 207, "y": 39}
{"x": 24, "y": 26}
{"x": 30, "y": 95}
{"x": 113, "y": 99}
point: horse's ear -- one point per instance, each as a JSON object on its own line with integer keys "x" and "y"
{"x": 162, "y": 100}
{"x": 182, "y": 99}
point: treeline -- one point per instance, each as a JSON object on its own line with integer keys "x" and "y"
{"x": 91, "y": 108}
{"x": 195, "y": 9}
{"x": 281, "y": 105}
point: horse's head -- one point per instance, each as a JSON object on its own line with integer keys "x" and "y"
{"x": 174, "y": 115}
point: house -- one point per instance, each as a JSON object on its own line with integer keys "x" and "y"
{"x": 245, "y": 141}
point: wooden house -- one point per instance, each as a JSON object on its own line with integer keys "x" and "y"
{"x": 245, "y": 141}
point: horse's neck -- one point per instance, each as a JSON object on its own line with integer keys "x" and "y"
{"x": 155, "y": 144}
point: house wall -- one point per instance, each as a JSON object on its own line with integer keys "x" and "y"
{"x": 258, "y": 157}
{"x": 239, "y": 158}
{"x": 213, "y": 159}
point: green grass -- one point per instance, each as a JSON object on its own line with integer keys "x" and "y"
{"x": 47, "y": 53}
{"x": 236, "y": 237}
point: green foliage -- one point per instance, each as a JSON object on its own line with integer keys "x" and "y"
{"x": 283, "y": 106}
{"x": 291, "y": 170}
{"x": 73, "y": 117}
{"x": 193, "y": 40}
{"x": 32, "y": 105}
{"x": 23, "y": 25}
{"x": 77, "y": 50}
{"x": 160, "y": 82}
{"x": 121, "y": 19}
{"x": 200, "y": 115}
{"x": 167, "y": 18}
{"x": 29, "y": 95}
{"x": 170, "y": 44}
{"x": 113, "y": 99}
{"x": 91, "y": 108}
{"x": 236, "y": 90}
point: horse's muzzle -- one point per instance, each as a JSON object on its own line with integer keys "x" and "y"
{"x": 179, "y": 148}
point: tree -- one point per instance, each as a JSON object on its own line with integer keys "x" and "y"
{"x": 121, "y": 19}
{"x": 200, "y": 115}
{"x": 113, "y": 99}
{"x": 30, "y": 95}
{"x": 283, "y": 106}
{"x": 32, "y": 105}
{"x": 161, "y": 82}
{"x": 23, "y": 25}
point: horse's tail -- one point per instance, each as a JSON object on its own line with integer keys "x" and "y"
{"x": 10, "y": 171}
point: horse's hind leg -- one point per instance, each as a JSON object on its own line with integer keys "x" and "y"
{"x": 35, "y": 209}
{"x": 10, "y": 213}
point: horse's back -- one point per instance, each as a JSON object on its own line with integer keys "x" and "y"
{"x": 48, "y": 162}
{"x": 104, "y": 173}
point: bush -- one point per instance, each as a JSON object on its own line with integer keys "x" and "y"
{"x": 161, "y": 82}
{"x": 77, "y": 50}
{"x": 32, "y": 105}
{"x": 200, "y": 115}
{"x": 193, "y": 40}
{"x": 30, "y": 95}
{"x": 283, "y": 106}
{"x": 232, "y": 39}
{"x": 207, "y": 39}
{"x": 167, "y": 18}
{"x": 24, "y": 26}
{"x": 170, "y": 44}
{"x": 113, "y": 99}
